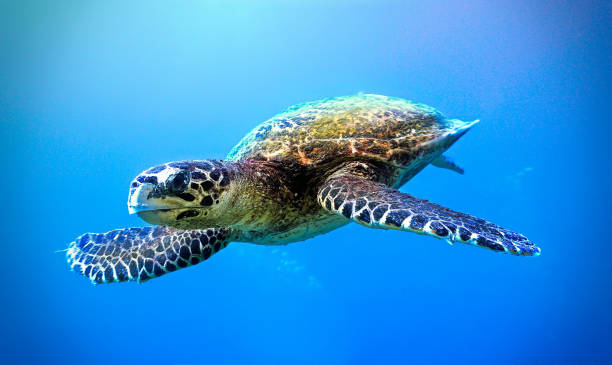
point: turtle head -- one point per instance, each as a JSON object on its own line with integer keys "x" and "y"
{"x": 184, "y": 194}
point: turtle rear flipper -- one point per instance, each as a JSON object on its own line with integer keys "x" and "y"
{"x": 351, "y": 192}
{"x": 445, "y": 162}
{"x": 140, "y": 254}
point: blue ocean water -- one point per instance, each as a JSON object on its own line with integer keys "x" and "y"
{"x": 92, "y": 93}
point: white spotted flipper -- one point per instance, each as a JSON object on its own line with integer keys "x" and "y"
{"x": 140, "y": 254}
{"x": 374, "y": 205}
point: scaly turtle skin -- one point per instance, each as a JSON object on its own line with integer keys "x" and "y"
{"x": 309, "y": 170}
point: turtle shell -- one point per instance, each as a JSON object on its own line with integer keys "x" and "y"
{"x": 388, "y": 129}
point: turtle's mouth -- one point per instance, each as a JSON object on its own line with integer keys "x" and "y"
{"x": 147, "y": 197}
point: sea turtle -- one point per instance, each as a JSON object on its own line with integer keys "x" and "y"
{"x": 311, "y": 169}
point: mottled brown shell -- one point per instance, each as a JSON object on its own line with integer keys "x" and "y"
{"x": 388, "y": 129}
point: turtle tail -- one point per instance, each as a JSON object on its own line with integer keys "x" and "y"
{"x": 140, "y": 254}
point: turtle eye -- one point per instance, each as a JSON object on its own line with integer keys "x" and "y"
{"x": 178, "y": 182}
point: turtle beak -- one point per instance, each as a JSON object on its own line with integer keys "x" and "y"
{"x": 147, "y": 197}
{"x": 138, "y": 201}
{"x": 158, "y": 193}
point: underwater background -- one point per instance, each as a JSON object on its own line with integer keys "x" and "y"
{"x": 92, "y": 93}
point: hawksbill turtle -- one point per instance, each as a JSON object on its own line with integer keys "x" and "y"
{"x": 309, "y": 170}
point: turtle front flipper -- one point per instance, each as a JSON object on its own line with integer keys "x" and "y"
{"x": 140, "y": 254}
{"x": 353, "y": 193}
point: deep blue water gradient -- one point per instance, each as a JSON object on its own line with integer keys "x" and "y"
{"x": 92, "y": 93}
